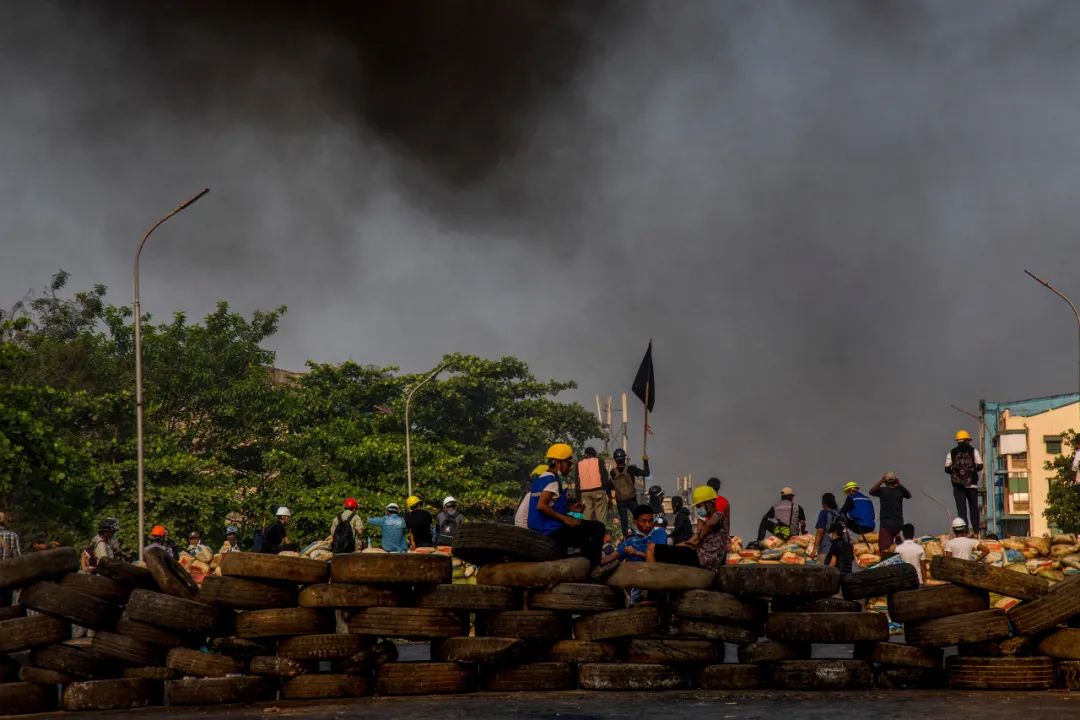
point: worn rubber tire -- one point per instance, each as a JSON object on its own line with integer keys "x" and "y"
{"x": 128, "y": 575}
{"x": 484, "y": 543}
{"x": 147, "y": 673}
{"x": 481, "y": 650}
{"x": 171, "y": 612}
{"x": 424, "y": 678}
{"x": 1014, "y": 673}
{"x": 11, "y": 612}
{"x": 41, "y": 676}
{"x": 284, "y": 622}
{"x": 523, "y": 624}
{"x": 411, "y": 623}
{"x": 1069, "y": 674}
{"x": 23, "y": 698}
{"x": 325, "y": 685}
{"x": 126, "y": 649}
{"x": 246, "y": 594}
{"x": 169, "y": 576}
{"x": 972, "y": 574}
{"x": 395, "y": 568}
{"x": 823, "y": 674}
{"x": 1060, "y": 604}
{"x": 98, "y": 586}
{"x": 32, "y": 567}
{"x": 53, "y": 599}
{"x": 770, "y": 651}
{"x": 674, "y": 651}
{"x": 241, "y": 648}
{"x": 662, "y": 577}
{"x": 257, "y": 566}
{"x": 582, "y": 651}
{"x": 732, "y": 677}
{"x": 800, "y": 581}
{"x": 726, "y": 632}
{"x": 74, "y": 660}
{"x": 1009, "y": 647}
{"x": 827, "y": 627}
{"x": 470, "y": 598}
{"x": 536, "y": 676}
{"x": 632, "y": 622}
{"x": 909, "y": 678}
{"x": 912, "y": 656}
{"x": 322, "y": 647}
{"x": 579, "y": 598}
{"x": 718, "y": 607}
{"x": 148, "y": 632}
{"x": 623, "y": 676}
{"x": 30, "y": 632}
{"x": 936, "y": 601}
{"x": 372, "y": 658}
{"x": 829, "y": 604}
{"x": 120, "y": 694}
{"x": 279, "y": 667}
{"x": 216, "y": 691}
{"x": 186, "y": 662}
{"x": 9, "y": 669}
{"x": 877, "y": 582}
{"x": 346, "y": 595}
{"x": 1063, "y": 644}
{"x": 535, "y": 575}
{"x": 958, "y": 629}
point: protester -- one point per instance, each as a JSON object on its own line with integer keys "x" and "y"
{"x": 101, "y": 545}
{"x": 608, "y": 552}
{"x": 625, "y": 485}
{"x": 656, "y": 499}
{"x": 594, "y": 487}
{"x": 682, "y": 529}
{"x": 660, "y": 535}
{"x": 912, "y": 552}
{"x": 549, "y": 508}
{"x": 521, "y": 515}
{"x": 418, "y": 522}
{"x": 963, "y": 464}
{"x": 635, "y": 546}
{"x": 232, "y": 541}
{"x": 722, "y": 503}
{"x": 276, "y": 538}
{"x": 9, "y": 540}
{"x": 962, "y": 545}
{"x": 857, "y": 510}
{"x": 393, "y": 529}
{"x": 709, "y": 546}
{"x": 891, "y": 496}
{"x": 448, "y": 521}
{"x": 826, "y": 518}
{"x": 841, "y": 554}
{"x": 347, "y": 529}
{"x": 784, "y": 519}
{"x": 159, "y": 538}
{"x": 196, "y": 550}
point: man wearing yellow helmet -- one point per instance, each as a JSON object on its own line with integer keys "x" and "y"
{"x": 858, "y": 510}
{"x": 418, "y": 522}
{"x": 549, "y": 508}
{"x": 963, "y": 464}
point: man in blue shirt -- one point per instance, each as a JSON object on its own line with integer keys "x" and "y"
{"x": 858, "y": 510}
{"x": 549, "y": 508}
{"x": 393, "y": 529}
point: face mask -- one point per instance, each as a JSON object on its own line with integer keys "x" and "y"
{"x": 575, "y": 514}
{"x": 701, "y": 513}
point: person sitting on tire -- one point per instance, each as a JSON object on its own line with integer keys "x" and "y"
{"x": 447, "y": 521}
{"x": 962, "y": 545}
{"x": 549, "y": 508}
{"x": 635, "y": 547}
{"x": 351, "y": 537}
{"x": 709, "y": 546}
{"x": 841, "y": 554}
{"x": 418, "y": 521}
{"x": 232, "y": 540}
{"x": 393, "y": 529}
{"x": 857, "y": 510}
{"x": 784, "y": 519}
{"x": 625, "y": 485}
{"x": 196, "y": 550}
{"x": 276, "y": 538}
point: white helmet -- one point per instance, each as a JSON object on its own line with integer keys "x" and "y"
{"x": 394, "y": 507}
{"x": 283, "y": 511}
{"x": 959, "y": 523}
{"x": 448, "y": 499}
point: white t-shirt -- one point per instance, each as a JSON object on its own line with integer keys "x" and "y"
{"x": 962, "y": 547}
{"x": 912, "y": 553}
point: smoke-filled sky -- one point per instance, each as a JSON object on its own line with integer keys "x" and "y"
{"x": 820, "y": 212}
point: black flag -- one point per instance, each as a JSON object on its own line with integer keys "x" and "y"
{"x": 645, "y": 378}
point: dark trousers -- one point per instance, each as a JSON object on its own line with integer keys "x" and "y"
{"x": 676, "y": 555}
{"x": 967, "y": 505}
{"x": 626, "y": 508}
{"x": 587, "y": 536}
{"x": 886, "y": 537}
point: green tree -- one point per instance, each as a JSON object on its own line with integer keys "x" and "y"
{"x": 1062, "y": 501}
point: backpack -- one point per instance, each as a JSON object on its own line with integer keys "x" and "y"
{"x": 257, "y": 540}
{"x": 344, "y": 538}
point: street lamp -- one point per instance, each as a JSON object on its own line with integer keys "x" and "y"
{"x": 408, "y": 429}
{"x": 1061, "y": 295}
{"x": 138, "y": 366}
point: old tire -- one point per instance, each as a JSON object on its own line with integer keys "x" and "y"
{"x": 725, "y": 632}
{"x": 470, "y": 598}
{"x": 372, "y": 658}
{"x": 246, "y": 594}
{"x": 283, "y": 622}
{"x": 98, "y": 586}
{"x": 621, "y": 676}
{"x": 171, "y": 612}
{"x": 770, "y": 651}
{"x": 877, "y": 582}
{"x": 912, "y": 656}
{"x": 186, "y": 662}
{"x": 30, "y": 632}
{"x": 70, "y": 660}
{"x": 23, "y": 698}
{"x": 241, "y": 648}
{"x": 537, "y": 676}
{"x": 423, "y": 678}
{"x": 127, "y": 649}
{"x": 524, "y": 624}
{"x": 1060, "y": 604}
{"x": 937, "y": 601}
{"x": 580, "y": 598}
{"x": 582, "y": 651}
{"x": 130, "y": 576}
{"x": 1015, "y": 673}
{"x": 32, "y": 567}
{"x": 632, "y": 622}
{"x": 392, "y": 568}
{"x": 674, "y": 651}
{"x": 1063, "y": 644}
{"x": 322, "y": 647}
{"x": 147, "y": 673}
{"x": 829, "y": 604}
{"x": 72, "y": 605}
{"x": 326, "y": 685}
{"x": 1068, "y": 674}
{"x": 1016, "y": 645}
{"x": 481, "y": 650}
{"x": 257, "y": 566}
{"x": 412, "y": 623}
{"x": 148, "y": 632}
{"x": 732, "y": 677}
{"x": 118, "y": 694}
{"x": 346, "y": 595}
{"x": 972, "y": 574}
{"x": 170, "y": 577}
{"x": 827, "y": 627}
{"x": 909, "y": 678}
{"x": 535, "y": 575}
{"x": 483, "y": 543}
{"x": 800, "y": 581}
{"x": 718, "y": 607}
{"x": 216, "y": 691}
{"x": 661, "y": 577}
{"x": 958, "y": 629}
{"x": 279, "y": 667}
{"x": 11, "y": 612}
{"x": 41, "y": 676}
{"x": 823, "y": 674}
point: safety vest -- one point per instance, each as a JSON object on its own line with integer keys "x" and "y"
{"x": 786, "y": 512}
{"x": 863, "y": 512}
{"x": 537, "y": 520}
{"x": 588, "y": 472}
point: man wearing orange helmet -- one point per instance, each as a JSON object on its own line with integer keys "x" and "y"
{"x": 159, "y": 538}
{"x": 347, "y": 529}
{"x": 549, "y": 508}
{"x": 962, "y": 465}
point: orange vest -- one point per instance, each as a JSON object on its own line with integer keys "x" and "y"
{"x": 588, "y": 472}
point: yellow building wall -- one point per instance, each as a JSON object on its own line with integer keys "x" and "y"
{"x": 1051, "y": 422}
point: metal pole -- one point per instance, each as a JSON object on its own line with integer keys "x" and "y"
{"x": 408, "y": 429}
{"x": 138, "y": 369}
{"x": 1061, "y": 295}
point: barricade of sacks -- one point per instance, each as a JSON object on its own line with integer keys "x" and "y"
{"x": 775, "y": 551}
{"x": 282, "y": 628}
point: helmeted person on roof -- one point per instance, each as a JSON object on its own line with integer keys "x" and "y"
{"x": 549, "y": 508}
{"x": 350, "y": 538}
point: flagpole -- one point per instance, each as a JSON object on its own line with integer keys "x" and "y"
{"x": 645, "y": 437}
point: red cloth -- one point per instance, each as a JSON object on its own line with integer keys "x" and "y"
{"x": 722, "y": 505}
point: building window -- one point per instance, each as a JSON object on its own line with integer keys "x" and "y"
{"x": 1053, "y": 445}
{"x": 1019, "y": 461}
{"x": 1001, "y": 463}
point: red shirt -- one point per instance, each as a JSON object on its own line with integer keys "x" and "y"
{"x": 722, "y": 505}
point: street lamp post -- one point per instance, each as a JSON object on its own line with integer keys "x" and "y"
{"x": 1061, "y": 295}
{"x": 138, "y": 367}
{"x": 408, "y": 429}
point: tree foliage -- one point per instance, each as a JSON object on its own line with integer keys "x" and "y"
{"x": 1062, "y": 500}
{"x": 227, "y": 441}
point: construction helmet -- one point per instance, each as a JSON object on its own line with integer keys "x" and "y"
{"x": 786, "y": 491}
{"x": 412, "y": 501}
{"x": 109, "y": 524}
{"x": 560, "y": 451}
{"x": 393, "y": 507}
{"x": 959, "y": 523}
{"x": 350, "y": 504}
{"x": 158, "y": 531}
{"x": 539, "y": 470}
{"x": 962, "y": 435}
{"x": 231, "y": 530}
{"x": 449, "y": 500}
{"x": 283, "y": 511}
{"x": 851, "y": 485}
{"x": 702, "y": 494}
{"x": 619, "y": 454}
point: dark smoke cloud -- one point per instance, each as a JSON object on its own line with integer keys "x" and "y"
{"x": 820, "y": 212}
